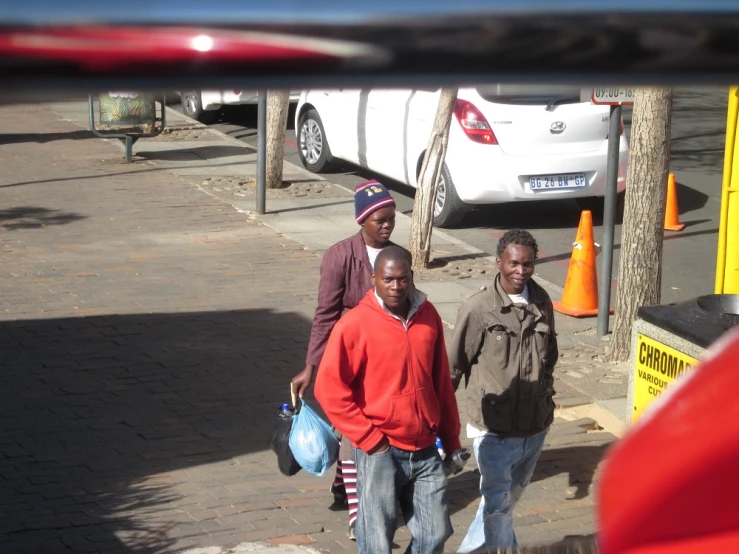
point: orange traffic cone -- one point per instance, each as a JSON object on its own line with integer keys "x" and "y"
{"x": 580, "y": 297}
{"x": 672, "y": 216}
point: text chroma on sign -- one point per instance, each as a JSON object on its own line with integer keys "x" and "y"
{"x": 657, "y": 365}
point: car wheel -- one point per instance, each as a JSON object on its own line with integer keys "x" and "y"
{"x": 448, "y": 208}
{"x": 313, "y": 148}
{"x": 192, "y": 106}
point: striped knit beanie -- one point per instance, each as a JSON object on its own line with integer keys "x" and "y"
{"x": 369, "y": 197}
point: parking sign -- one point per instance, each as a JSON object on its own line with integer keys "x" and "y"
{"x": 612, "y": 96}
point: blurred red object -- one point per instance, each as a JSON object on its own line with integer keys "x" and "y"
{"x": 110, "y": 48}
{"x": 671, "y": 485}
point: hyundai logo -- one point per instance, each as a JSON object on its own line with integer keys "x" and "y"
{"x": 557, "y": 127}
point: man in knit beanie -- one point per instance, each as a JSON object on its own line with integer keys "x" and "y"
{"x": 370, "y": 197}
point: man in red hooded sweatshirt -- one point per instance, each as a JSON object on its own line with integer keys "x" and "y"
{"x": 384, "y": 382}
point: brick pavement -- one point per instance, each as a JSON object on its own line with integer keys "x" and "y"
{"x": 148, "y": 332}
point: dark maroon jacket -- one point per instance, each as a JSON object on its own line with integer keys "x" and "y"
{"x": 346, "y": 276}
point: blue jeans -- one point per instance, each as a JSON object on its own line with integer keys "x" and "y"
{"x": 416, "y": 481}
{"x": 506, "y": 466}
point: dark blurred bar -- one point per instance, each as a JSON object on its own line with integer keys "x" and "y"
{"x": 85, "y": 45}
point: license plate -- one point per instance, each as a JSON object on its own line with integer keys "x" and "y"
{"x": 548, "y": 182}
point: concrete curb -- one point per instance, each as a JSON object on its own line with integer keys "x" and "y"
{"x": 253, "y": 547}
{"x": 441, "y": 234}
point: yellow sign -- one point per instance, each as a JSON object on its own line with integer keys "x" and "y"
{"x": 657, "y": 365}
{"x": 727, "y": 261}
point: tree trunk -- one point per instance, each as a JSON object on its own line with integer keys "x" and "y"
{"x": 428, "y": 181}
{"x": 278, "y": 103}
{"x": 640, "y": 269}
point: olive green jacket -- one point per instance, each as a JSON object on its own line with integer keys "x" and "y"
{"x": 506, "y": 352}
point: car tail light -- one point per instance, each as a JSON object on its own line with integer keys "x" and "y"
{"x": 473, "y": 123}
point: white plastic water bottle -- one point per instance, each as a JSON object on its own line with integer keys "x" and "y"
{"x": 440, "y": 447}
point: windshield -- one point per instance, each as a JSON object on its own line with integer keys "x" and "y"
{"x": 530, "y": 94}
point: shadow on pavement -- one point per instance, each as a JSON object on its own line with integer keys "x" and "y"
{"x": 241, "y": 134}
{"x": 247, "y": 116}
{"x": 177, "y": 153}
{"x": 617, "y": 246}
{"x": 683, "y": 234}
{"x": 335, "y": 202}
{"x": 571, "y": 544}
{"x": 16, "y": 138}
{"x": 443, "y": 261}
{"x": 34, "y": 217}
{"x": 544, "y": 214}
{"x": 689, "y": 199}
{"x": 553, "y": 258}
{"x": 578, "y": 463}
{"x": 111, "y": 425}
{"x": 691, "y": 223}
{"x": 143, "y": 168}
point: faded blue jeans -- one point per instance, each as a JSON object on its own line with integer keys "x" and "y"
{"x": 506, "y": 466}
{"x": 416, "y": 481}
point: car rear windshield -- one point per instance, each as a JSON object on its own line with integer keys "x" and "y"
{"x": 530, "y": 94}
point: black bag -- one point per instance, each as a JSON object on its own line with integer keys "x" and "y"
{"x": 278, "y": 441}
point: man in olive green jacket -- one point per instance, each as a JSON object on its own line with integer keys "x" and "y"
{"x": 505, "y": 347}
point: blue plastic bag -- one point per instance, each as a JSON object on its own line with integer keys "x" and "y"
{"x": 313, "y": 443}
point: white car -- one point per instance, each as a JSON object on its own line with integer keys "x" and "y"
{"x": 204, "y": 105}
{"x": 506, "y": 143}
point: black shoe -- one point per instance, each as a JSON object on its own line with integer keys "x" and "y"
{"x": 341, "y": 502}
{"x": 339, "y": 505}
{"x": 339, "y": 494}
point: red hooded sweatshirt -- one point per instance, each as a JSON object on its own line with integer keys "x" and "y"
{"x": 378, "y": 378}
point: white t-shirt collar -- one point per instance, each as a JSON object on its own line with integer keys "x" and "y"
{"x": 522, "y": 298}
{"x": 416, "y": 297}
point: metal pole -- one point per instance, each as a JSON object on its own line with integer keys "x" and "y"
{"x": 129, "y": 148}
{"x": 262, "y": 152}
{"x": 163, "y": 107}
{"x": 609, "y": 219}
{"x": 92, "y": 114}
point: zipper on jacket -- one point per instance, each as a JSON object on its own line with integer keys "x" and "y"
{"x": 520, "y": 378}
{"x": 413, "y": 379}
{"x": 412, "y": 368}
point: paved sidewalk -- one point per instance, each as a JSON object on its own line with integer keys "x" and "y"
{"x": 149, "y": 330}
{"x": 316, "y": 214}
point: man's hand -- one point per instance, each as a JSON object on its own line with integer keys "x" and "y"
{"x": 302, "y": 380}
{"x": 454, "y": 462}
{"x": 381, "y": 447}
